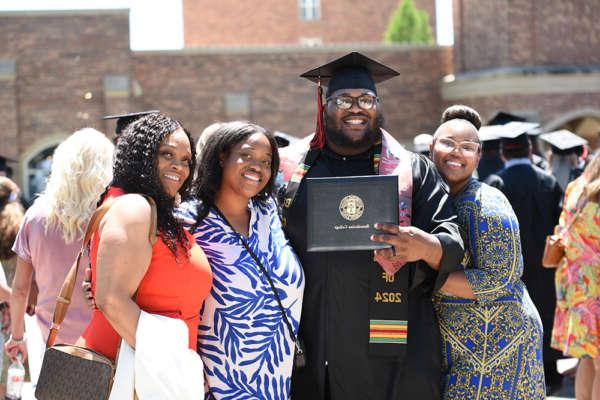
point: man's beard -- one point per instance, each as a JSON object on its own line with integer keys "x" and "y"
{"x": 340, "y": 140}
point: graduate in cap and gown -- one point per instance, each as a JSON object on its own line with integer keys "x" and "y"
{"x": 537, "y": 157}
{"x": 359, "y": 343}
{"x": 567, "y": 157}
{"x": 490, "y": 136}
{"x": 491, "y": 160}
{"x": 536, "y": 197}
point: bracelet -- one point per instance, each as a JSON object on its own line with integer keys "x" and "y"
{"x": 17, "y": 341}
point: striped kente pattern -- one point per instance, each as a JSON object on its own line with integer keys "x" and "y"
{"x": 388, "y": 331}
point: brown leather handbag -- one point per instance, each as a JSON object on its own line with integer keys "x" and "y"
{"x": 71, "y": 372}
{"x": 554, "y": 249}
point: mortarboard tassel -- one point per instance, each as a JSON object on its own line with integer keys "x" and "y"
{"x": 318, "y": 141}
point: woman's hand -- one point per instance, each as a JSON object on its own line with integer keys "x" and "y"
{"x": 86, "y": 287}
{"x": 14, "y": 347}
{"x": 409, "y": 244}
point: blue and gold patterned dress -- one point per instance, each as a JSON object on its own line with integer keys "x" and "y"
{"x": 492, "y": 346}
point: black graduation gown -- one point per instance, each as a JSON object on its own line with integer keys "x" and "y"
{"x": 536, "y": 197}
{"x": 490, "y": 163}
{"x": 335, "y": 307}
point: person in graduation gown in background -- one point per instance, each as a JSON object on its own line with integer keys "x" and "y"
{"x": 356, "y": 342}
{"x": 567, "y": 155}
{"x": 535, "y": 196}
{"x": 491, "y": 160}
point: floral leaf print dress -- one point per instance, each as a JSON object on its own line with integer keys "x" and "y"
{"x": 576, "y": 329}
{"x": 244, "y": 343}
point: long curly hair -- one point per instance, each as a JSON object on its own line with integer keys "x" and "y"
{"x": 210, "y": 171}
{"x": 11, "y": 216}
{"x": 81, "y": 169}
{"x": 135, "y": 171}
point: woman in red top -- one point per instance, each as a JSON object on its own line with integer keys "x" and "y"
{"x": 172, "y": 277}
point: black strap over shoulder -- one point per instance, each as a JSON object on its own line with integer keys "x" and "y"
{"x": 264, "y": 271}
{"x": 288, "y": 195}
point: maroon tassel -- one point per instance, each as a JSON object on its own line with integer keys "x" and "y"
{"x": 318, "y": 141}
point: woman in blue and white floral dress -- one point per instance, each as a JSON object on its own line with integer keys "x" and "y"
{"x": 243, "y": 338}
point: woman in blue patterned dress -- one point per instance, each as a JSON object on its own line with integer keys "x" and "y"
{"x": 244, "y": 339}
{"x": 491, "y": 331}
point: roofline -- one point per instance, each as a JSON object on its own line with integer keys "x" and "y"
{"x": 293, "y": 48}
{"x": 51, "y": 13}
{"x": 529, "y": 70}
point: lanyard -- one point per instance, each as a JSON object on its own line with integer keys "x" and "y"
{"x": 264, "y": 271}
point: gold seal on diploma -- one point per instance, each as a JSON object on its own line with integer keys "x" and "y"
{"x": 352, "y": 207}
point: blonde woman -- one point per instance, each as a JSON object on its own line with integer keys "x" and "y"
{"x": 51, "y": 234}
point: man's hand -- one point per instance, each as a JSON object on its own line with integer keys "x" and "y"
{"x": 86, "y": 286}
{"x": 409, "y": 244}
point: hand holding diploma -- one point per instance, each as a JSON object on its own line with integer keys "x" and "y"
{"x": 409, "y": 244}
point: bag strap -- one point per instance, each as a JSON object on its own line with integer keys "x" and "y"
{"x": 264, "y": 271}
{"x": 63, "y": 300}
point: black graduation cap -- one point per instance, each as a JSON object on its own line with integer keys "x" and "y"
{"x": 503, "y": 117}
{"x": 284, "y": 139}
{"x": 535, "y": 131}
{"x": 514, "y": 134}
{"x": 352, "y": 71}
{"x": 564, "y": 142}
{"x": 123, "y": 120}
{"x": 488, "y": 133}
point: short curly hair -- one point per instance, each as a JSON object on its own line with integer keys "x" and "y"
{"x": 135, "y": 171}
{"x": 210, "y": 170}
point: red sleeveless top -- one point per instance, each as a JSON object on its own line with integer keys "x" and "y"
{"x": 172, "y": 287}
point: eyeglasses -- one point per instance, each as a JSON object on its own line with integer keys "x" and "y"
{"x": 466, "y": 147}
{"x": 365, "y": 101}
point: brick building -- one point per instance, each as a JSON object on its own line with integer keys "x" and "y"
{"x": 60, "y": 71}
{"x": 289, "y": 22}
{"x": 537, "y": 59}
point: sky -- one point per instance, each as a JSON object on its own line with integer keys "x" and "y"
{"x": 158, "y": 24}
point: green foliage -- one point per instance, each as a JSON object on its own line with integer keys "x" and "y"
{"x": 408, "y": 25}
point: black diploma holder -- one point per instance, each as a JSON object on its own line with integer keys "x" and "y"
{"x": 342, "y": 211}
